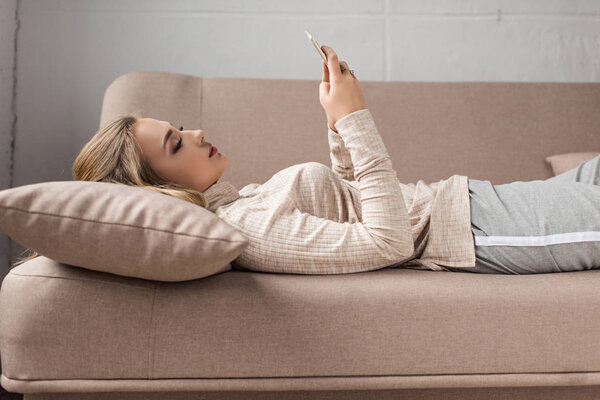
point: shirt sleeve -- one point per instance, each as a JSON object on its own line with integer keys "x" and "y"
{"x": 341, "y": 162}
{"x": 298, "y": 242}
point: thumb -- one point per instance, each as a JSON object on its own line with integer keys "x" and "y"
{"x": 324, "y": 90}
{"x": 325, "y": 72}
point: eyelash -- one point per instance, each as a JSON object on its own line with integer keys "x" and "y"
{"x": 178, "y": 145}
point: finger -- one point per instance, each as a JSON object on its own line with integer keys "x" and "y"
{"x": 325, "y": 72}
{"x": 323, "y": 90}
{"x": 332, "y": 62}
{"x": 344, "y": 66}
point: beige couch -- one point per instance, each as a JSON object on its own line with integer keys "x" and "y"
{"x": 72, "y": 333}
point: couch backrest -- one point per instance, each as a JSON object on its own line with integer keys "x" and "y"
{"x": 500, "y": 131}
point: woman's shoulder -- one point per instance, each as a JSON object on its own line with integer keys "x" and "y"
{"x": 306, "y": 166}
{"x": 288, "y": 180}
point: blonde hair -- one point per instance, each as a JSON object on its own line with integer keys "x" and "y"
{"x": 113, "y": 155}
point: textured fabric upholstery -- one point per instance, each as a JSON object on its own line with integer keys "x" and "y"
{"x": 65, "y": 329}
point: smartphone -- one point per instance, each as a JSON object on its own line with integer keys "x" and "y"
{"x": 314, "y": 42}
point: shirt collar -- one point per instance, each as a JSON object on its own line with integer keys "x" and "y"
{"x": 220, "y": 193}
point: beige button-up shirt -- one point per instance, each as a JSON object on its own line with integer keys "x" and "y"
{"x": 355, "y": 216}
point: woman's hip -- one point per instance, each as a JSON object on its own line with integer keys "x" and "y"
{"x": 535, "y": 226}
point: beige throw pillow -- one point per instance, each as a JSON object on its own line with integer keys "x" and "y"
{"x": 563, "y": 162}
{"x": 120, "y": 229}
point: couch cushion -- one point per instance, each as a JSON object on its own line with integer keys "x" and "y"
{"x": 400, "y": 322}
{"x": 497, "y": 131}
{"x": 119, "y": 229}
{"x": 563, "y": 162}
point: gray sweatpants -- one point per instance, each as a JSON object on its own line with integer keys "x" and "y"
{"x": 539, "y": 226}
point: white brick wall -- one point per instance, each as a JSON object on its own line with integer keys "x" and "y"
{"x": 476, "y": 40}
{"x": 7, "y": 57}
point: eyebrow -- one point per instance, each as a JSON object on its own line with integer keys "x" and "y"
{"x": 167, "y": 136}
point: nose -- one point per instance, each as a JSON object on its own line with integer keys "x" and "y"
{"x": 199, "y": 134}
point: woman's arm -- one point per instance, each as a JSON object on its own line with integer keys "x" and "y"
{"x": 384, "y": 211}
{"x": 383, "y": 208}
{"x": 341, "y": 161}
{"x": 289, "y": 240}
{"x": 340, "y": 93}
{"x": 292, "y": 241}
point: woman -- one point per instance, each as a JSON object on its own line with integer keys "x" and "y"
{"x": 356, "y": 216}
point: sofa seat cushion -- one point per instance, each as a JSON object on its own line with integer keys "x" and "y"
{"x": 65, "y": 323}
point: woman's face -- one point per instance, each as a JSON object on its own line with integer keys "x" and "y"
{"x": 183, "y": 158}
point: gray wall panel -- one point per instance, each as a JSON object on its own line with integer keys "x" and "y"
{"x": 8, "y": 27}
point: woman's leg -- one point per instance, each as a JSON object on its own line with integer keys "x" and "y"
{"x": 586, "y": 172}
{"x": 537, "y": 226}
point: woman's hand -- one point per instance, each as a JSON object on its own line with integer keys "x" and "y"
{"x": 339, "y": 92}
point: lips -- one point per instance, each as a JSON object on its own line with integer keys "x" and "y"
{"x": 213, "y": 151}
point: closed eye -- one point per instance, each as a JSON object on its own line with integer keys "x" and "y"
{"x": 178, "y": 145}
